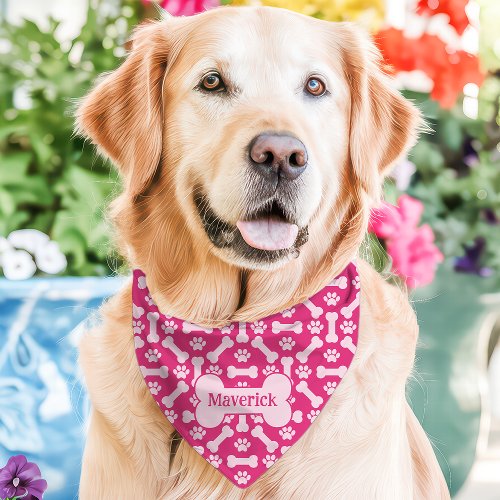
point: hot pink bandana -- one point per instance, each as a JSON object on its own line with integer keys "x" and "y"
{"x": 243, "y": 394}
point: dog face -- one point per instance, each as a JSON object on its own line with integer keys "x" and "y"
{"x": 250, "y": 110}
{"x": 248, "y": 129}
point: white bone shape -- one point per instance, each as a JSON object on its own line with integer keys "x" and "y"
{"x": 278, "y": 327}
{"x": 153, "y": 318}
{"x": 347, "y": 343}
{"x": 323, "y": 371}
{"x": 242, "y": 425}
{"x": 304, "y": 389}
{"x": 188, "y": 327}
{"x": 348, "y": 310}
{"x": 270, "y": 400}
{"x": 259, "y": 433}
{"x": 297, "y": 416}
{"x": 197, "y": 364}
{"x": 226, "y": 342}
{"x": 234, "y": 371}
{"x": 182, "y": 387}
{"x": 332, "y": 318}
{"x": 187, "y": 416}
{"x": 226, "y": 432}
{"x": 182, "y": 356}
{"x": 250, "y": 461}
{"x": 242, "y": 336}
{"x": 314, "y": 344}
{"x": 339, "y": 283}
{"x": 154, "y": 372}
{"x": 271, "y": 356}
{"x": 287, "y": 363}
{"x": 316, "y": 311}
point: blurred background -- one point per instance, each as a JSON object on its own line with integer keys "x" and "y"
{"x": 438, "y": 232}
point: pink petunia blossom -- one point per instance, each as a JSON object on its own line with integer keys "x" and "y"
{"x": 415, "y": 256}
{"x": 411, "y": 248}
{"x": 185, "y": 7}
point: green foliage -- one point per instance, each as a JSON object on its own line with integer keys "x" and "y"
{"x": 458, "y": 179}
{"x": 49, "y": 179}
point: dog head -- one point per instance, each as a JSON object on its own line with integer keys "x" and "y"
{"x": 252, "y": 134}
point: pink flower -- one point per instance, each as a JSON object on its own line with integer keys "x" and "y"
{"x": 411, "y": 248}
{"x": 415, "y": 256}
{"x": 388, "y": 220}
{"x": 185, "y": 7}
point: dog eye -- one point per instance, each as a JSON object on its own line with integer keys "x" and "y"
{"x": 212, "y": 82}
{"x": 315, "y": 86}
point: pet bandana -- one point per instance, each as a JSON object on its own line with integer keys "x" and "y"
{"x": 243, "y": 394}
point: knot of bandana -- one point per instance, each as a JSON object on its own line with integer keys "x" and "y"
{"x": 243, "y": 394}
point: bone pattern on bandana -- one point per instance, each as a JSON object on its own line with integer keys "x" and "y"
{"x": 243, "y": 394}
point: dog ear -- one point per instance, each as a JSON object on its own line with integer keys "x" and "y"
{"x": 123, "y": 113}
{"x": 383, "y": 124}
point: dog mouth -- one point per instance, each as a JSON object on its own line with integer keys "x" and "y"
{"x": 269, "y": 228}
{"x": 268, "y": 233}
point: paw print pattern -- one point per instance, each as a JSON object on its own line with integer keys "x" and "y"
{"x": 315, "y": 327}
{"x": 242, "y": 444}
{"x": 348, "y": 327}
{"x": 331, "y": 298}
{"x": 312, "y": 415}
{"x": 228, "y": 419}
{"x": 242, "y": 384}
{"x": 149, "y": 300}
{"x": 356, "y": 283}
{"x": 181, "y": 371}
{"x": 171, "y": 415}
{"x": 215, "y": 369}
{"x": 227, "y": 329}
{"x": 197, "y": 343}
{"x": 154, "y": 388}
{"x": 242, "y": 477}
{"x": 329, "y": 387}
{"x": 288, "y": 313}
{"x": 331, "y": 355}
{"x": 153, "y": 355}
{"x": 257, "y": 419}
{"x": 258, "y": 327}
{"x": 303, "y": 371}
{"x": 138, "y": 326}
{"x": 242, "y": 355}
{"x": 287, "y": 433}
{"x": 269, "y": 460}
{"x": 291, "y": 400}
{"x": 194, "y": 400}
{"x": 168, "y": 327}
{"x": 269, "y": 369}
{"x": 197, "y": 432}
{"x": 215, "y": 460}
{"x": 287, "y": 343}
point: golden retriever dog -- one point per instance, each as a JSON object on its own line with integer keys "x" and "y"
{"x": 181, "y": 118}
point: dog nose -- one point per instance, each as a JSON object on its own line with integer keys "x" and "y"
{"x": 278, "y": 155}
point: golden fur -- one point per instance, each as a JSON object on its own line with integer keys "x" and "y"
{"x": 169, "y": 142}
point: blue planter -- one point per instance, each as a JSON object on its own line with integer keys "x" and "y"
{"x": 42, "y": 402}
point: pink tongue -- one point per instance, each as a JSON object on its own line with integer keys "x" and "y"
{"x": 268, "y": 233}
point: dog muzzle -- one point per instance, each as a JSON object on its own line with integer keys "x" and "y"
{"x": 242, "y": 395}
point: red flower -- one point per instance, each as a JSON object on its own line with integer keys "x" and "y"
{"x": 454, "y": 9}
{"x": 449, "y": 71}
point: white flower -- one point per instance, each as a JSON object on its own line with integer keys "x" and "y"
{"x": 50, "y": 259}
{"x": 18, "y": 265}
{"x": 28, "y": 239}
